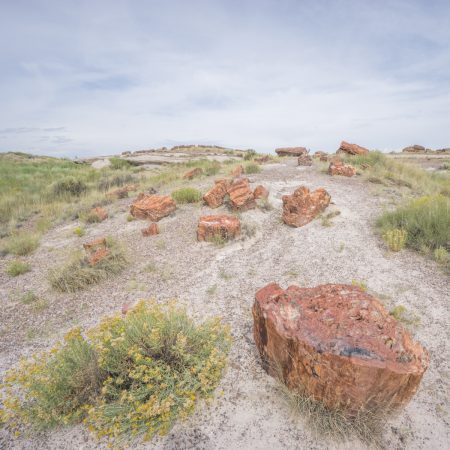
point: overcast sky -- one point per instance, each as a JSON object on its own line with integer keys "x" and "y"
{"x": 99, "y": 77}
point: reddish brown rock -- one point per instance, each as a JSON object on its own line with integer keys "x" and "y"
{"x": 122, "y": 192}
{"x": 215, "y": 196}
{"x": 319, "y": 154}
{"x": 324, "y": 158}
{"x": 237, "y": 171}
{"x": 304, "y": 160}
{"x": 291, "y": 151}
{"x": 352, "y": 149}
{"x": 241, "y": 196}
{"x": 225, "y": 226}
{"x": 151, "y": 230}
{"x": 99, "y": 213}
{"x": 96, "y": 251}
{"x": 193, "y": 173}
{"x": 153, "y": 207}
{"x": 260, "y": 192}
{"x": 302, "y": 206}
{"x": 339, "y": 168}
{"x": 339, "y": 344}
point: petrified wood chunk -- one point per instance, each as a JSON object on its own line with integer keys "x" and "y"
{"x": 352, "y": 149}
{"x": 302, "y": 206}
{"x": 304, "y": 160}
{"x": 225, "y": 226}
{"x": 215, "y": 196}
{"x": 153, "y": 207}
{"x": 241, "y": 196}
{"x": 193, "y": 173}
{"x": 96, "y": 251}
{"x": 260, "y": 192}
{"x": 339, "y": 168}
{"x": 237, "y": 171}
{"x": 291, "y": 151}
{"x": 339, "y": 344}
{"x": 151, "y": 230}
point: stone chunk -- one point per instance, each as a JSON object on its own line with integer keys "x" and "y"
{"x": 99, "y": 213}
{"x": 339, "y": 168}
{"x": 225, "y": 226}
{"x": 153, "y": 207}
{"x": 241, "y": 196}
{"x": 191, "y": 174}
{"x": 96, "y": 251}
{"x": 339, "y": 344}
{"x": 237, "y": 171}
{"x": 151, "y": 230}
{"x": 304, "y": 160}
{"x": 352, "y": 149}
{"x": 260, "y": 192}
{"x": 215, "y": 196}
{"x": 302, "y": 206}
{"x": 291, "y": 151}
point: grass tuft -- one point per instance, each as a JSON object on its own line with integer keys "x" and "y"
{"x": 78, "y": 274}
{"x": 16, "y": 268}
{"x": 21, "y": 244}
{"x": 187, "y": 195}
{"x": 395, "y": 239}
{"x": 251, "y": 168}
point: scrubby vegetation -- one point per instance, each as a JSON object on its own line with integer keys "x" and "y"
{"x": 16, "y": 268}
{"x": 425, "y": 223}
{"x": 395, "y": 239}
{"x": 252, "y": 168}
{"x": 187, "y": 195}
{"x": 78, "y": 274}
{"x": 132, "y": 375}
{"x": 21, "y": 243}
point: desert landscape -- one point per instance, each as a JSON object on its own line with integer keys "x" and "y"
{"x": 212, "y": 229}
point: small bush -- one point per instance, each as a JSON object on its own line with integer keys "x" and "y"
{"x": 426, "y": 221}
{"x": 28, "y": 298}
{"x": 212, "y": 168}
{"x": 16, "y": 268}
{"x": 108, "y": 182}
{"x": 21, "y": 244}
{"x": 442, "y": 256}
{"x": 187, "y": 195}
{"x": 249, "y": 154}
{"x": 119, "y": 163}
{"x": 79, "y": 231}
{"x": 132, "y": 375}
{"x": 252, "y": 168}
{"x": 78, "y": 274}
{"x": 69, "y": 186}
{"x": 395, "y": 239}
{"x": 361, "y": 284}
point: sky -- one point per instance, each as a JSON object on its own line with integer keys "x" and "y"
{"x": 95, "y": 77}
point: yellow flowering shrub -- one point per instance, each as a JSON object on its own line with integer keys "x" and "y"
{"x": 145, "y": 371}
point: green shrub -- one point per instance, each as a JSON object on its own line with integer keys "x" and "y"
{"x": 212, "y": 168}
{"x": 16, "y": 268}
{"x": 118, "y": 180}
{"x": 249, "y": 154}
{"x": 442, "y": 256}
{"x": 69, "y": 186}
{"x": 426, "y": 221}
{"x": 79, "y": 231}
{"x": 28, "y": 298}
{"x": 119, "y": 163}
{"x": 132, "y": 375}
{"x": 252, "y": 168}
{"x": 395, "y": 239}
{"x": 78, "y": 274}
{"x": 187, "y": 195}
{"x": 21, "y": 243}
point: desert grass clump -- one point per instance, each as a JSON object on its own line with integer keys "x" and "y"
{"x": 131, "y": 375}
{"x": 79, "y": 231}
{"x": 252, "y": 167}
{"x": 78, "y": 274}
{"x": 336, "y": 425}
{"x": 187, "y": 195}
{"x": 442, "y": 256}
{"x": 426, "y": 221}
{"x": 69, "y": 186}
{"x": 395, "y": 239}
{"x": 22, "y": 243}
{"x": 16, "y": 268}
{"x": 119, "y": 163}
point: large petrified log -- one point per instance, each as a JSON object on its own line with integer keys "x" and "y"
{"x": 153, "y": 207}
{"x": 352, "y": 149}
{"x": 339, "y": 345}
{"x": 339, "y": 168}
{"x": 223, "y": 226}
{"x": 291, "y": 151}
{"x": 241, "y": 196}
{"x": 215, "y": 196}
{"x": 302, "y": 206}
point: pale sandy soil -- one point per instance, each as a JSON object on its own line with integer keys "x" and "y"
{"x": 248, "y": 411}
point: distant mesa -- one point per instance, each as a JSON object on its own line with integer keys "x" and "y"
{"x": 291, "y": 151}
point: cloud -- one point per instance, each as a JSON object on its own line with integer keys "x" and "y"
{"x": 102, "y": 77}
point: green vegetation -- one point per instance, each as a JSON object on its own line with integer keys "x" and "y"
{"x": 132, "y": 375}
{"x": 425, "y": 222}
{"x": 16, "y": 268}
{"x": 187, "y": 195}
{"x": 395, "y": 239}
{"x": 361, "y": 284}
{"x": 78, "y": 274}
{"x": 252, "y": 168}
{"x": 119, "y": 163}
{"x": 21, "y": 243}
{"x": 400, "y": 313}
{"x": 79, "y": 231}
{"x": 69, "y": 186}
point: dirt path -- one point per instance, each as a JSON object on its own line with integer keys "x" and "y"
{"x": 248, "y": 412}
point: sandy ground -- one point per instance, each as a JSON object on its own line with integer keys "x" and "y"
{"x": 247, "y": 411}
